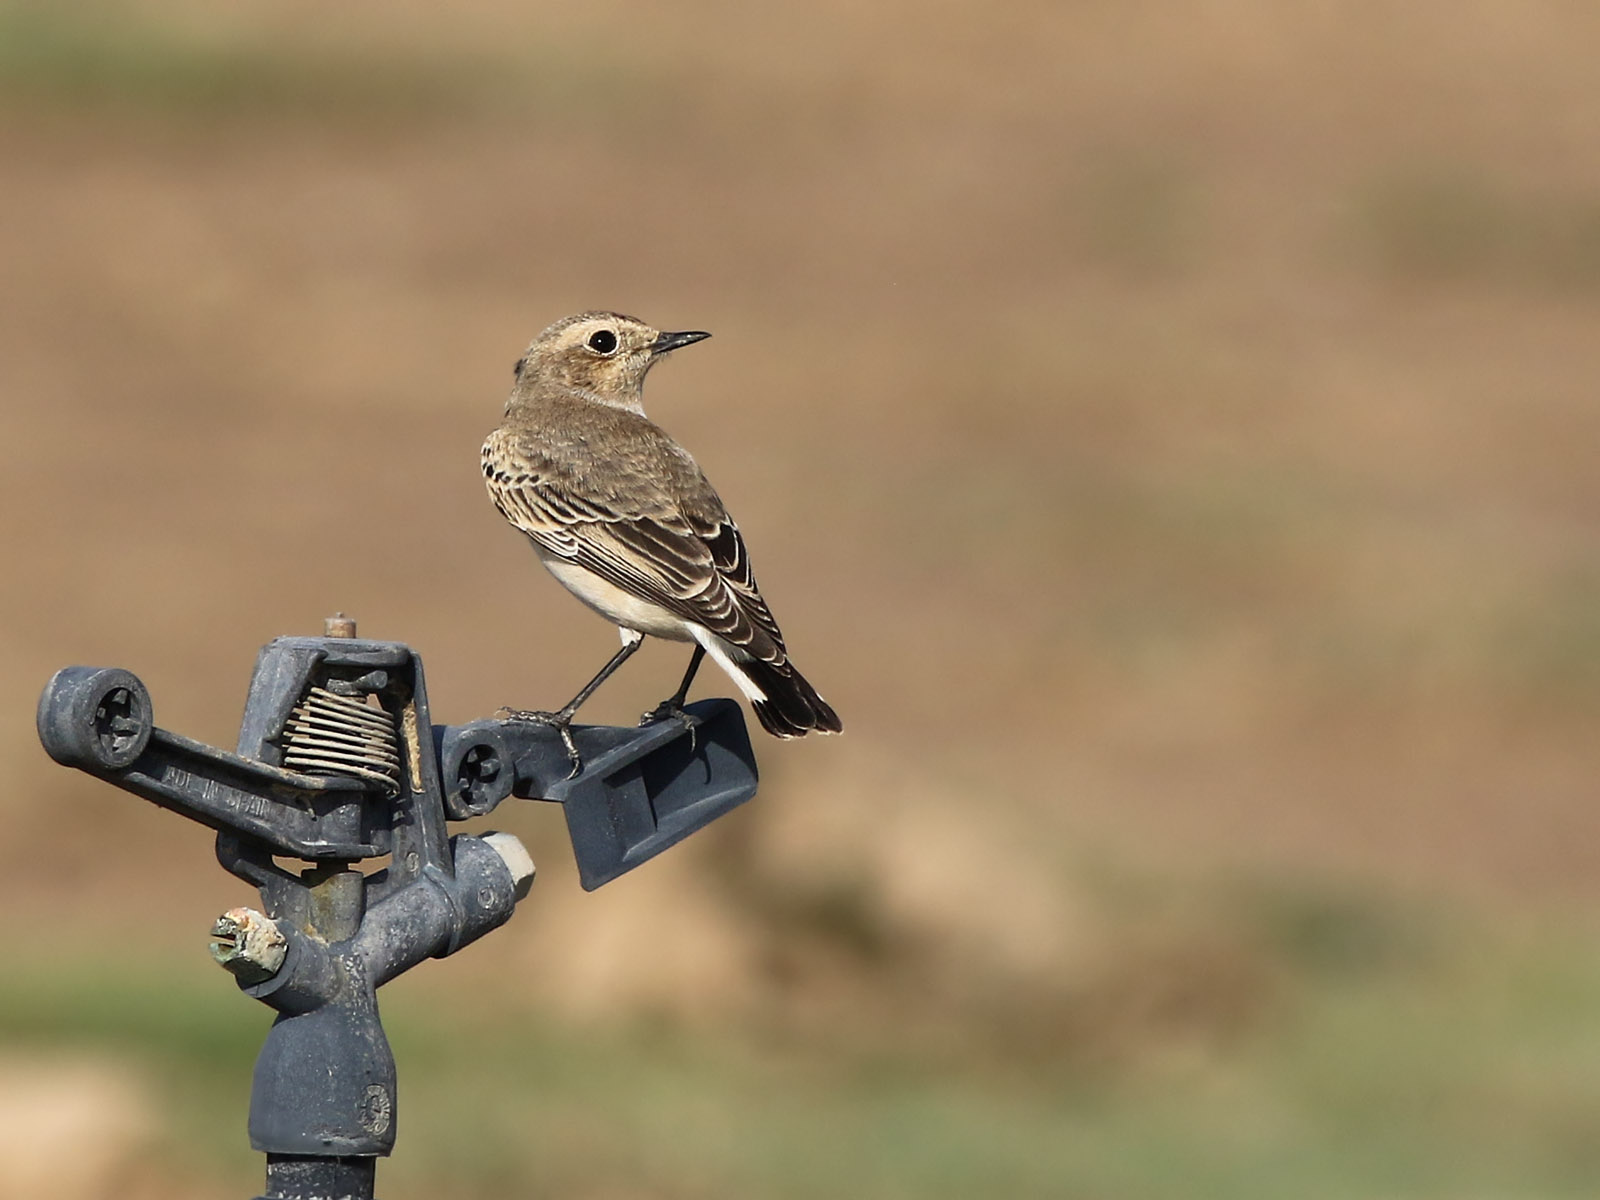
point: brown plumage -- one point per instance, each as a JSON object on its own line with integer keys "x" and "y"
{"x": 626, "y": 520}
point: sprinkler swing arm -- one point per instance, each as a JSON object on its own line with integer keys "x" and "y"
{"x": 339, "y": 764}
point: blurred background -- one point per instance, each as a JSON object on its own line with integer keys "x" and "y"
{"x": 1166, "y": 432}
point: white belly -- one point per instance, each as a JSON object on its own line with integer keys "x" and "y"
{"x": 616, "y": 605}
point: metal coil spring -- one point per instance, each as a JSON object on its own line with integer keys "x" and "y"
{"x": 329, "y": 734}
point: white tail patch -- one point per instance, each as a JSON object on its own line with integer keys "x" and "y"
{"x": 722, "y": 654}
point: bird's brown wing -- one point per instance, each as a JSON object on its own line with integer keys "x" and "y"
{"x": 660, "y": 534}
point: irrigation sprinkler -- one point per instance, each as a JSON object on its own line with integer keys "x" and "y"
{"x": 339, "y": 765}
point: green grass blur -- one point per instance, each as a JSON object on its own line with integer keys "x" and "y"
{"x": 104, "y": 56}
{"x": 1405, "y": 1054}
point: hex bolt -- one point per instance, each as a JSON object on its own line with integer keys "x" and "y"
{"x": 516, "y": 858}
{"x": 248, "y": 944}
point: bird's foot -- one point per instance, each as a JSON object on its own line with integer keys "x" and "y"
{"x": 561, "y": 722}
{"x": 672, "y": 710}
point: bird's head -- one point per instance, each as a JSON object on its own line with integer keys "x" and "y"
{"x": 601, "y": 355}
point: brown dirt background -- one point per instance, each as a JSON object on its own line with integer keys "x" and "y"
{"x": 1167, "y": 434}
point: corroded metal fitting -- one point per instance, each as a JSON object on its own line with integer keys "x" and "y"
{"x": 249, "y": 944}
{"x": 339, "y": 626}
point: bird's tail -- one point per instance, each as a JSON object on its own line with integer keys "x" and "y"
{"x": 786, "y": 705}
{"x": 790, "y": 707}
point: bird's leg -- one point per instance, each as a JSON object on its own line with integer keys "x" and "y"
{"x": 561, "y": 719}
{"x": 673, "y": 705}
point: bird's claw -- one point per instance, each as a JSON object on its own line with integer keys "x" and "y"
{"x": 560, "y": 722}
{"x": 672, "y": 710}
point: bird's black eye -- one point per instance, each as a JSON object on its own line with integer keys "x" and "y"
{"x": 603, "y": 341}
{"x": 516, "y": 370}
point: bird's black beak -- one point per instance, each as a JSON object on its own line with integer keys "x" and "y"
{"x": 671, "y": 341}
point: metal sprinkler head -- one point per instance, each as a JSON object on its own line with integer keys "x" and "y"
{"x": 338, "y": 764}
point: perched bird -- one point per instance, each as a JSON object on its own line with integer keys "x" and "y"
{"x": 623, "y": 517}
